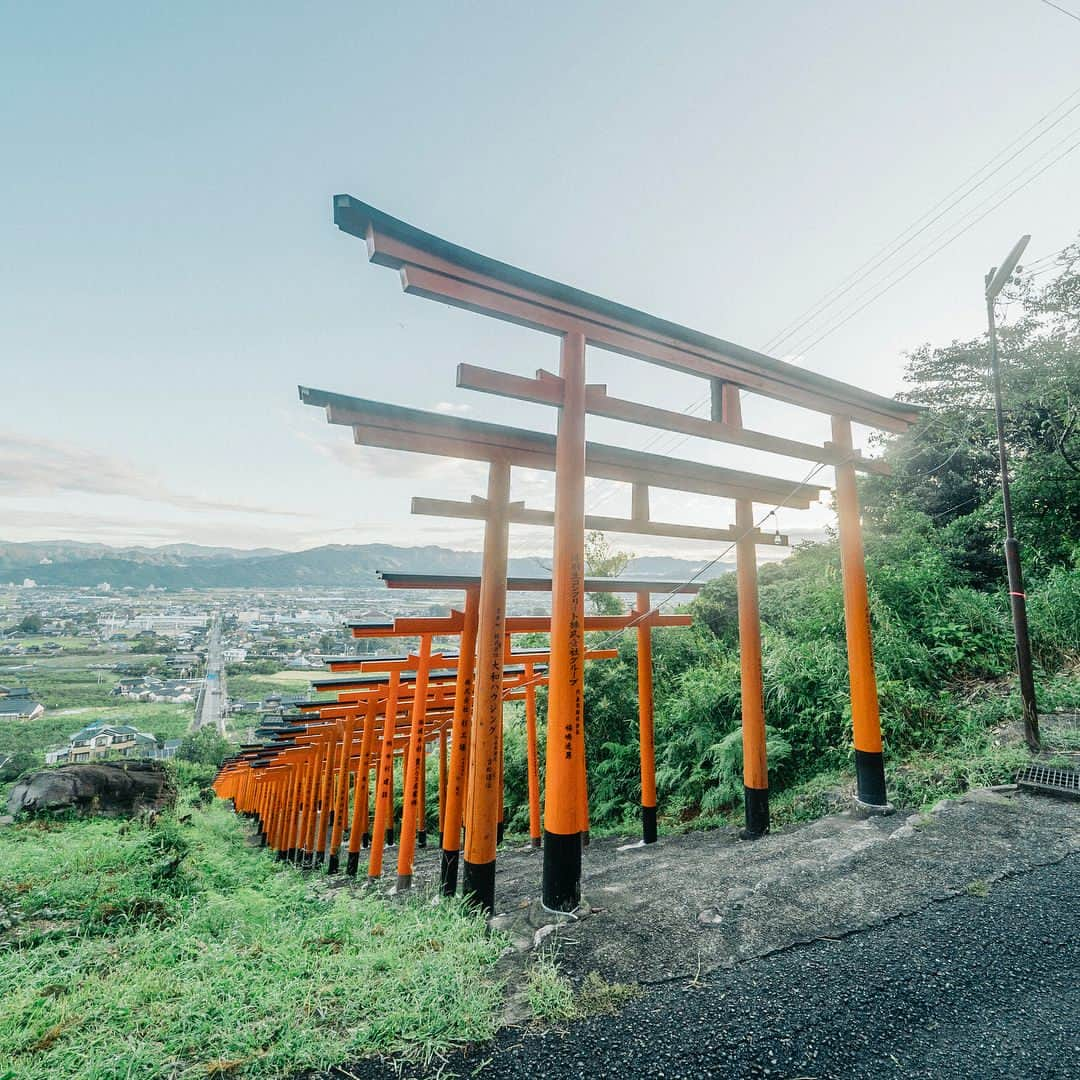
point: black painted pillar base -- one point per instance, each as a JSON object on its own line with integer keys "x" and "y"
{"x": 421, "y": 838}
{"x": 448, "y": 871}
{"x": 870, "y": 778}
{"x": 404, "y": 882}
{"x": 279, "y": 856}
{"x": 333, "y": 863}
{"x": 365, "y": 840}
{"x": 585, "y": 839}
{"x": 352, "y": 863}
{"x": 390, "y": 836}
{"x": 478, "y": 885}
{"x": 500, "y": 832}
{"x": 562, "y": 871}
{"x": 756, "y": 801}
{"x": 536, "y": 842}
{"x": 648, "y": 825}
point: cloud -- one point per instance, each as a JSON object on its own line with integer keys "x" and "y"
{"x": 380, "y": 464}
{"x": 34, "y": 467}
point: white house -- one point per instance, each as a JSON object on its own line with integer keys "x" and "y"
{"x": 17, "y": 704}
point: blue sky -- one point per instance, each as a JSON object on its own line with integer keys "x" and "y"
{"x": 169, "y": 270}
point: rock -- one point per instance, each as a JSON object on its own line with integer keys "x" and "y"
{"x": 112, "y": 789}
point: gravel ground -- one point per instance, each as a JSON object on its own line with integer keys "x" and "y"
{"x": 969, "y": 986}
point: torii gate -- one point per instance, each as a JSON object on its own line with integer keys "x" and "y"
{"x": 379, "y": 424}
{"x": 643, "y": 619}
{"x": 435, "y": 268}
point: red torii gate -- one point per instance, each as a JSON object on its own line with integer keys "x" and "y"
{"x": 643, "y": 619}
{"x": 432, "y": 267}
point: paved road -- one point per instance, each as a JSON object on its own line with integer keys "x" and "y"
{"x": 973, "y": 987}
{"x": 212, "y": 703}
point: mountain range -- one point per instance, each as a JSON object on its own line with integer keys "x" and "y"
{"x": 71, "y": 564}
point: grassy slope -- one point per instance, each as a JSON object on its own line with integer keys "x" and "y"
{"x": 231, "y": 966}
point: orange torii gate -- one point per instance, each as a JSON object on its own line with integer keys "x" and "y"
{"x": 432, "y": 267}
{"x": 379, "y": 424}
{"x": 643, "y": 619}
{"x": 312, "y": 747}
{"x": 351, "y": 690}
{"x": 522, "y": 672}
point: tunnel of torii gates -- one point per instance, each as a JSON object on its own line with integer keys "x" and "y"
{"x": 312, "y": 779}
{"x": 481, "y": 675}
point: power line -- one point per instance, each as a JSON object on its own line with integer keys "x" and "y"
{"x": 973, "y": 210}
{"x": 895, "y": 245}
{"x": 891, "y": 250}
{"x": 881, "y": 292}
{"x": 1064, "y": 11}
{"x": 615, "y": 635}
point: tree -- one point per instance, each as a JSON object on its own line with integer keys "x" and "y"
{"x": 204, "y": 747}
{"x": 29, "y": 624}
{"x": 946, "y": 466}
{"x": 602, "y": 560}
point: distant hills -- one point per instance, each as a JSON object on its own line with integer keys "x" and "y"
{"x": 68, "y": 551}
{"x": 70, "y": 564}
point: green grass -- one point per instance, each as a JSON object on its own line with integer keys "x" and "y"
{"x": 294, "y": 677}
{"x": 548, "y": 991}
{"x": 231, "y": 965}
{"x": 34, "y": 737}
{"x": 553, "y": 999}
{"x": 257, "y": 687}
{"x": 65, "y": 682}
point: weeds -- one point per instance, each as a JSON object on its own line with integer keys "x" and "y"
{"x": 228, "y": 965}
{"x": 553, "y": 999}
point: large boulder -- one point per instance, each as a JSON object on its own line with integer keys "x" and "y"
{"x": 113, "y": 789}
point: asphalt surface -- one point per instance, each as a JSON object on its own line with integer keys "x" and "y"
{"x": 211, "y": 708}
{"x": 969, "y": 987}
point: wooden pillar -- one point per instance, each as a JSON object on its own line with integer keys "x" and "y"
{"x": 457, "y": 776}
{"x": 326, "y": 793}
{"x": 384, "y": 795}
{"x": 271, "y": 784}
{"x": 341, "y": 800}
{"x": 293, "y": 816}
{"x": 412, "y": 766}
{"x": 362, "y": 793}
{"x": 755, "y": 760}
{"x": 532, "y": 757}
{"x": 646, "y": 737}
{"x": 563, "y": 812}
{"x": 481, "y": 826}
{"x": 866, "y": 724}
{"x": 421, "y": 797}
{"x": 356, "y": 825}
{"x": 442, "y": 782}
{"x": 311, "y": 796}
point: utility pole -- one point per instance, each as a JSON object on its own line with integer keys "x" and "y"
{"x": 996, "y": 279}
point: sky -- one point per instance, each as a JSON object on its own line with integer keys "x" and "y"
{"x": 169, "y": 270}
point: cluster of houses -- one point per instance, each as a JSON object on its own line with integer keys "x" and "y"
{"x": 155, "y": 689}
{"x": 103, "y": 740}
{"x": 17, "y": 703}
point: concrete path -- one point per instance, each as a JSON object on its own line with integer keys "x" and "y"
{"x": 970, "y": 987}
{"x": 939, "y": 944}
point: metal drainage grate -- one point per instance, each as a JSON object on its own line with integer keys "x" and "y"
{"x": 1049, "y": 781}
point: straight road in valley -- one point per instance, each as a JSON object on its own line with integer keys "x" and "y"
{"x": 211, "y": 706}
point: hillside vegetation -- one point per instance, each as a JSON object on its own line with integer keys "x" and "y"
{"x": 170, "y": 948}
{"x": 942, "y": 631}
